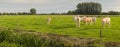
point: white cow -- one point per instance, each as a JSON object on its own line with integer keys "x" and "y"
{"x": 105, "y": 21}
{"x": 94, "y": 19}
{"x": 49, "y": 20}
{"x": 77, "y": 19}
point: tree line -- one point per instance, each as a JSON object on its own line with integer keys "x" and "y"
{"x": 32, "y": 12}
{"x": 86, "y": 8}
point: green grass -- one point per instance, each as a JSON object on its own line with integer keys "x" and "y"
{"x": 63, "y": 24}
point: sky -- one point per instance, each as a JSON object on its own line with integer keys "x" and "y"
{"x": 49, "y": 6}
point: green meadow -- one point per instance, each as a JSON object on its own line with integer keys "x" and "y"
{"x": 63, "y": 25}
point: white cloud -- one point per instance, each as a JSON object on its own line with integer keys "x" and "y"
{"x": 26, "y": 1}
{"x": 31, "y": 1}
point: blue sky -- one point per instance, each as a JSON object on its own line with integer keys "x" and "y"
{"x": 49, "y": 6}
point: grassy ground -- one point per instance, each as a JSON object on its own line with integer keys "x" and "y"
{"x": 63, "y": 25}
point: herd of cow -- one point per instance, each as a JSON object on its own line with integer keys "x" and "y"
{"x": 87, "y": 20}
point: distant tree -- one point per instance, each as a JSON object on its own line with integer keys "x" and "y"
{"x": 69, "y": 12}
{"x": 63, "y": 14}
{"x": 89, "y": 8}
{"x": 114, "y": 13}
{"x": 0, "y": 13}
{"x": 5, "y": 13}
{"x": 11, "y": 13}
{"x": 54, "y": 13}
{"x": 104, "y": 13}
{"x": 23, "y": 13}
{"x": 33, "y": 11}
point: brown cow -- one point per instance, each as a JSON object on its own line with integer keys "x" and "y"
{"x": 87, "y": 20}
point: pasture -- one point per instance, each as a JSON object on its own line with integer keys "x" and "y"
{"x": 63, "y": 25}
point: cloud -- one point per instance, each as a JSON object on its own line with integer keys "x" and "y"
{"x": 26, "y": 1}
{"x": 30, "y": 1}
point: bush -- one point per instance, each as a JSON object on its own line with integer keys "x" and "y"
{"x": 7, "y": 44}
{"x": 13, "y": 39}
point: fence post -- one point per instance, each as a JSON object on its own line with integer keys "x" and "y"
{"x": 101, "y": 38}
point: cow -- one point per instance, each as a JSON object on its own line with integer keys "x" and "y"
{"x": 48, "y": 20}
{"x": 94, "y": 19}
{"x": 87, "y": 20}
{"x": 77, "y": 19}
{"x": 106, "y": 20}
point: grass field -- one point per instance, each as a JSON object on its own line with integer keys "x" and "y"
{"x": 63, "y": 24}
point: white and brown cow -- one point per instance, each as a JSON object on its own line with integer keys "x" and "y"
{"x": 87, "y": 20}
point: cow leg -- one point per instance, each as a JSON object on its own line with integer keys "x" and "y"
{"x": 85, "y": 23}
{"x": 77, "y": 24}
{"x": 94, "y": 21}
{"x": 91, "y": 22}
{"x": 109, "y": 23}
